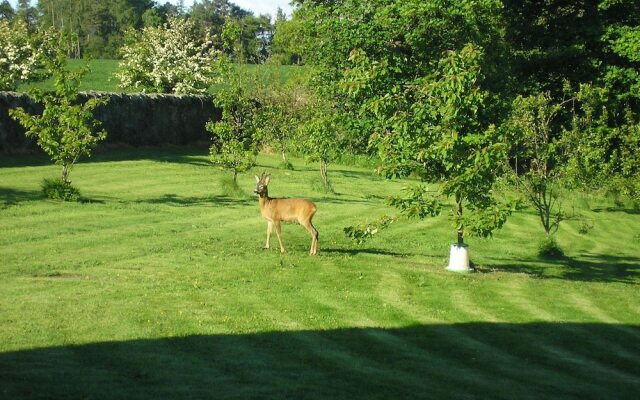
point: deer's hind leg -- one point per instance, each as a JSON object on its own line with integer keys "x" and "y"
{"x": 314, "y": 236}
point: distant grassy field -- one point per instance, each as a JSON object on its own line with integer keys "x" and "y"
{"x": 158, "y": 287}
{"x": 102, "y": 75}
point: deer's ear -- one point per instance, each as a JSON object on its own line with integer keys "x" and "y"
{"x": 266, "y": 180}
{"x": 257, "y": 179}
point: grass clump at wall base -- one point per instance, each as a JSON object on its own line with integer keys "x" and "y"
{"x": 549, "y": 248}
{"x": 286, "y": 165}
{"x": 317, "y": 185}
{"x": 57, "y": 189}
{"x": 230, "y": 188}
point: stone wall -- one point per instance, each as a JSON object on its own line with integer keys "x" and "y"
{"x": 130, "y": 119}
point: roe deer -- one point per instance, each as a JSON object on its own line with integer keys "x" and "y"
{"x": 277, "y": 210}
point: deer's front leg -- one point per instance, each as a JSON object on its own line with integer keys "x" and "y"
{"x": 269, "y": 229}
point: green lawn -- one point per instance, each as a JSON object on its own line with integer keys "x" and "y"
{"x": 102, "y": 75}
{"x": 158, "y": 287}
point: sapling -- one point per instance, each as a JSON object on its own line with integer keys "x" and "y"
{"x": 66, "y": 130}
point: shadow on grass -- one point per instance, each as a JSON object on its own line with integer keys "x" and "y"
{"x": 194, "y": 155}
{"x": 355, "y": 251}
{"x": 633, "y": 211}
{"x": 472, "y": 360}
{"x": 358, "y": 174}
{"x": 24, "y": 160}
{"x": 586, "y": 267}
{"x": 10, "y": 196}
{"x": 337, "y": 200}
{"x": 171, "y": 199}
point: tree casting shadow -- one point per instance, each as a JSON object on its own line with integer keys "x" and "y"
{"x": 472, "y": 360}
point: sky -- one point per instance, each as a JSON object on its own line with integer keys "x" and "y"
{"x": 257, "y": 6}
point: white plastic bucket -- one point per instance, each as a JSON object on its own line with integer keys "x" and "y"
{"x": 459, "y": 258}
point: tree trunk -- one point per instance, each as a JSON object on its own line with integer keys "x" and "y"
{"x": 323, "y": 172}
{"x": 460, "y": 231}
{"x": 65, "y": 173}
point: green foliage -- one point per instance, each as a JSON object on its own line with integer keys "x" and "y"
{"x": 98, "y": 28}
{"x": 66, "y": 130}
{"x": 418, "y": 202}
{"x": 366, "y": 231}
{"x": 58, "y": 189}
{"x": 602, "y": 144}
{"x": 366, "y": 53}
{"x": 621, "y": 41}
{"x": 286, "y": 47}
{"x": 245, "y": 37}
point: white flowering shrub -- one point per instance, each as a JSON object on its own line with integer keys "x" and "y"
{"x": 172, "y": 58}
{"x": 19, "y": 54}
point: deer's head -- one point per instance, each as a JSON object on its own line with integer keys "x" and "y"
{"x": 261, "y": 185}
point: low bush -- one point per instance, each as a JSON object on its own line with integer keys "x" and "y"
{"x": 57, "y": 189}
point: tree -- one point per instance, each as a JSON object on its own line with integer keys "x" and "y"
{"x": 283, "y": 108}
{"x": 235, "y": 135}
{"x": 27, "y": 14}
{"x": 404, "y": 78}
{"x": 6, "y": 11}
{"x": 247, "y": 36}
{"x": 438, "y": 135}
{"x": 168, "y": 59}
{"x": 286, "y": 46}
{"x": 211, "y": 15}
{"x": 531, "y": 127}
{"x": 20, "y": 54}
{"x": 322, "y": 137}
{"x": 66, "y": 130}
{"x": 152, "y": 18}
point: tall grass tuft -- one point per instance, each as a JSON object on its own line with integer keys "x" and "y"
{"x": 230, "y": 188}
{"x": 549, "y": 248}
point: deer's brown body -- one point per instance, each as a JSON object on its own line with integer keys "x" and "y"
{"x": 277, "y": 210}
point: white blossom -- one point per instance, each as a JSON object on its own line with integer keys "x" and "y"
{"x": 168, "y": 59}
{"x": 19, "y": 57}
